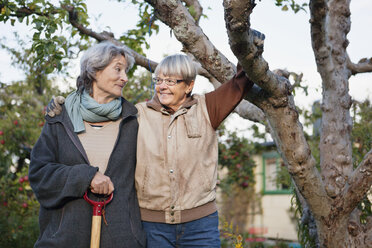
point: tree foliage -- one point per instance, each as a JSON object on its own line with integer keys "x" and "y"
{"x": 18, "y": 211}
{"x": 291, "y": 4}
{"x": 22, "y": 106}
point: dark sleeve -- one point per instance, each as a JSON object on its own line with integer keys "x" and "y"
{"x": 54, "y": 183}
{"x": 222, "y": 101}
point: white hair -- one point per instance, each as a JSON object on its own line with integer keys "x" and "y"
{"x": 177, "y": 65}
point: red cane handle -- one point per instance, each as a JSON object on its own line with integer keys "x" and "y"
{"x": 98, "y": 205}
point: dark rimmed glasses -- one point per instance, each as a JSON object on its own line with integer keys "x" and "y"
{"x": 167, "y": 81}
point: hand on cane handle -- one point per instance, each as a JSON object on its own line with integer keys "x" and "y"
{"x": 101, "y": 184}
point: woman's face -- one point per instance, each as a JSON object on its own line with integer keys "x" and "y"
{"x": 173, "y": 96}
{"x": 110, "y": 81}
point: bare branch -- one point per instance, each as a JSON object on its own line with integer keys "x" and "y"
{"x": 360, "y": 233}
{"x": 26, "y": 11}
{"x": 364, "y": 65}
{"x": 139, "y": 59}
{"x": 359, "y": 184}
{"x": 248, "y": 111}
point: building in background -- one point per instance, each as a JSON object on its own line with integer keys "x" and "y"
{"x": 275, "y": 220}
{"x": 264, "y": 213}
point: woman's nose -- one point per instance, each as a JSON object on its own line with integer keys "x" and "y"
{"x": 123, "y": 76}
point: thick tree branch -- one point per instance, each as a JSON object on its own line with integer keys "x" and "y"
{"x": 280, "y": 111}
{"x": 243, "y": 43}
{"x": 318, "y": 12}
{"x": 335, "y": 140}
{"x": 330, "y": 24}
{"x": 364, "y": 65}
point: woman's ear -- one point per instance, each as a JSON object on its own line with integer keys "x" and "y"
{"x": 190, "y": 87}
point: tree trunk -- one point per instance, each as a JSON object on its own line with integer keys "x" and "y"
{"x": 334, "y": 192}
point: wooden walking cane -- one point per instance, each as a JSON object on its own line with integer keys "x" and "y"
{"x": 96, "y": 218}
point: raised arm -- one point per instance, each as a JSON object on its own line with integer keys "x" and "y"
{"x": 222, "y": 101}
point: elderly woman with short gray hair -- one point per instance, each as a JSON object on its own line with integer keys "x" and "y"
{"x": 177, "y": 155}
{"x": 90, "y": 144}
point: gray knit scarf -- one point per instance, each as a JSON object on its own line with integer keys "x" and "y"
{"x": 82, "y": 107}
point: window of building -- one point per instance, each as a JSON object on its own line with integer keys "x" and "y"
{"x": 276, "y": 179}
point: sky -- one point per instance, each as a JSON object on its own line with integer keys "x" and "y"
{"x": 287, "y": 43}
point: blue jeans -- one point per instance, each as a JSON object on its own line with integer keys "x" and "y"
{"x": 197, "y": 233}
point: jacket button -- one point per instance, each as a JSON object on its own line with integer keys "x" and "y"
{"x": 172, "y": 207}
{"x": 169, "y": 136}
{"x": 172, "y": 220}
{"x": 172, "y": 213}
{"x": 171, "y": 171}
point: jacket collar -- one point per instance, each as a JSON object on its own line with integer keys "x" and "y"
{"x": 155, "y": 104}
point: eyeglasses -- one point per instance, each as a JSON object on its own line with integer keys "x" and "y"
{"x": 167, "y": 81}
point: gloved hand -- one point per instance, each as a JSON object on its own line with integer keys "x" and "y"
{"x": 55, "y": 106}
{"x": 258, "y": 39}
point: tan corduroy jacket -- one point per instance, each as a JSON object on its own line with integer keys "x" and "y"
{"x": 177, "y": 154}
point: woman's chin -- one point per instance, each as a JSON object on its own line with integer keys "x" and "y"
{"x": 164, "y": 100}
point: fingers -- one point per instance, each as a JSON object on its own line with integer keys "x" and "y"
{"x": 57, "y": 106}
{"x": 101, "y": 184}
{"x": 111, "y": 188}
{"x": 48, "y": 111}
{"x": 60, "y": 99}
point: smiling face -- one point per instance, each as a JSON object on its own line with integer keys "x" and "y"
{"x": 109, "y": 82}
{"x": 173, "y": 96}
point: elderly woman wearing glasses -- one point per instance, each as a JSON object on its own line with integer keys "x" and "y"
{"x": 177, "y": 155}
{"x": 90, "y": 144}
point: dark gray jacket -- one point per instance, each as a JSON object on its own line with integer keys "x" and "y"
{"x": 60, "y": 174}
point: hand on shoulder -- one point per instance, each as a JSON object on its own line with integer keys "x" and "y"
{"x": 55, "y": 106}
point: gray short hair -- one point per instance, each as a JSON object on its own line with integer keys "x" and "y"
{"x": 177, "y": 65}
{"x": 95, "y": 59}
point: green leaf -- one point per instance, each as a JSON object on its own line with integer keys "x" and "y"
{"x": 49, "y": 69}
